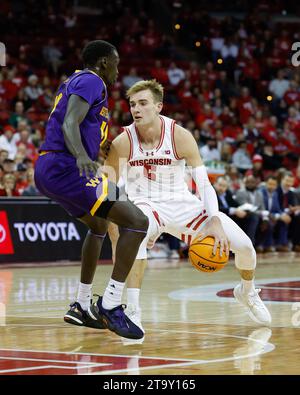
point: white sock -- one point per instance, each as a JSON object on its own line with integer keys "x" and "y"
{"x": 133, "y": 296}
{"x": 113, "y": 294}
{"x": 84, "y": 295}
{"x": 248, "y": 285}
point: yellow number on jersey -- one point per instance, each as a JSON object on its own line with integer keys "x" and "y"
{"x": 57, "y": 100}
{"x": 104, "y": 132}
{"x": 93, "y": 182}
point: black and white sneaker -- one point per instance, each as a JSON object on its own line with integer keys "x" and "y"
{"x": 77, "y": 316}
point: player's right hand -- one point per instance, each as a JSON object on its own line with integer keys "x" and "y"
{"x": 87, "y": 167}
{"x": 215, "y": 229}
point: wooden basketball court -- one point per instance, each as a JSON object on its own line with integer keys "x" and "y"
{"x": 193, "y": 325}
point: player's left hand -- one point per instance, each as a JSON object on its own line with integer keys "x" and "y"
{"x": 215, "y": 229}
{"x": 105, "y": 147}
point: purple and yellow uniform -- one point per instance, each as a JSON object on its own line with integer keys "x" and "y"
{"x": 56, "y": 173}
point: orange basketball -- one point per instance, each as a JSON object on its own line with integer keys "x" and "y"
{"x": 202, "y": 258}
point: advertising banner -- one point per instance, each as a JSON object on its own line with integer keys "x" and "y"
{"x": 39, "y": 230}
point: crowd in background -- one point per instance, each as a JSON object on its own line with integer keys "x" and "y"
{"x": 229, "y": 80}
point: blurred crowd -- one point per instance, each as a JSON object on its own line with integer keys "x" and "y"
{"x": 229, "y": 80}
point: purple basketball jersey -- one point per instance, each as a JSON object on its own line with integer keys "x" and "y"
{"x": 92, "y": 89}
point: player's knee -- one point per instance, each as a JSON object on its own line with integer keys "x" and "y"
{"x": 246, "y": 257}
{"x": 141, "y": 222}
{"x": 248, "y": 251}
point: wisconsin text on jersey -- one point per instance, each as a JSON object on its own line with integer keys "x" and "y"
{"x": 143, "y": 162}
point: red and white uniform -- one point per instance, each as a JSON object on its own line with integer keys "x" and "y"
{"x": 155, "y": 181}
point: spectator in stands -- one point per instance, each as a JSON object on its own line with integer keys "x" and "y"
{"x": 253, "y": 197}
{"x": 52, "y": 56}
{"x": 9, "y": 166}
{"x": 225, "y": 85}
{"x": 229, "y": 52}
{"x": 210, "y": 152}
{"x": 289, "y": 204}
{"x": 175, "y": 74}
{"x": 257, "y": 170}
{"x": 271, "y": 161}
{"x": 3, "y": 155}
{"x": 233, "y": 176}
{"x": 226, "y": 153}
{"x": 247, "y": 220}
{"x": 245, "y": 105}
{"x": 9, "y": 186}
{"x": 31, "y": 151}
{"x": 32, "y": 90}
{"x": 8, "y": 141}
{"x": 292, "y": 95}
{"x": 279, "y": 86}
{"x": 131, "y": 78}
{"x": 279, "y": 219}
{"x": 70, "y": 19}
{"x": 128, "y": 47}
{"x": 251, "y": 133}
{"x": 216, "y": 43}
{"x": 227, "y": 203}
{"x": 46, "y": 100}
{"x": 22, "y": 124}
{"x": 21, "y": 178}
{"x": 18, "y": 114}
{"x": 241, "y": 158}
{"x": 31, "y": 189}
{"x": 159, "y": 73}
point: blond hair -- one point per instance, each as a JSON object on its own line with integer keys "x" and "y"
{"x": 155, "y": 87}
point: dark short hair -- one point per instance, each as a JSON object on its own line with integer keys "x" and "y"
{"x": 271, "y": 177}
{"x": 95, "y": 50}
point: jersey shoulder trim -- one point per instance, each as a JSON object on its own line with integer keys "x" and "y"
{"x": 130, "y": 143}
{"x": 173, "y": 140}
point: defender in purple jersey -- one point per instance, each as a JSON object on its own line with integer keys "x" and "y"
{"x": 67, "y": 171}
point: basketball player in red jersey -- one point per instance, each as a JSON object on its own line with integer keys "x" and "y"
{"x": 155, "y": 151}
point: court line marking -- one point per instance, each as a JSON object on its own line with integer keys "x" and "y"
{"x": 53, "y": 360}
{"x": 11, "y": 325}
{"x": 199, "y": 362}
{"x": 268, "y": 347}
{"x": 25, "y": 369}
{"x": 50, "y": 367}
{"x": 98, "y": 355}
{"x": 208, "y": 293}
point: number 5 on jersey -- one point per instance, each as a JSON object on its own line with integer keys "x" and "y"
{"x": 149, "y": 172}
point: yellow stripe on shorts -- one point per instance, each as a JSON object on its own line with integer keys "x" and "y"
{"x": 102, "y": 197}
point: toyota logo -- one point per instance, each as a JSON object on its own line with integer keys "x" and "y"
{"x": 2, "y": 234}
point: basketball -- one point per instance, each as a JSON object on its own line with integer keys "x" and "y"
{"x": 202, "y": 258}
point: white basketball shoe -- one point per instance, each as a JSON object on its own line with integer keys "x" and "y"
{"x": 134, "y": 314}
{"x": 255, "y": 306}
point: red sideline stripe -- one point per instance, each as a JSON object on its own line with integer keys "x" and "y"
{"x": 183, "y": 237}
{"x": 190, "y": 223}
{"x": 131, "y": 143}
{"x": 189, "y": 239}
{"x": 200, "y": 222}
